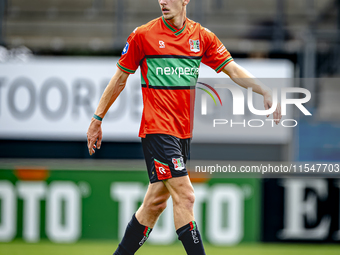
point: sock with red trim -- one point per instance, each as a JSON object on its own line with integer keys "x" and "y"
{"x": 135, "y": 236}
{"x": 191, "y": 239}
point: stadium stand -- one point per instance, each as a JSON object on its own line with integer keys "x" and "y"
{"x": 98, "y": 24}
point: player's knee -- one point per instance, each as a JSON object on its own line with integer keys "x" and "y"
{"x": 158, "y": 208}
{"x": 157, "y": 205}
{"x": 190, "y": 199}
{"x": 186, "y": 200}
{"x": 162, "y": 206}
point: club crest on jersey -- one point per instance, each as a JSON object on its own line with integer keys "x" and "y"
{"x": 194, "y": 45}
{"x": 126, "y": 48}
{"x": 178, "y": 163}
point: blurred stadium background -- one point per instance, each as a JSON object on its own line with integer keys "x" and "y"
{"x": 56, "y": 56}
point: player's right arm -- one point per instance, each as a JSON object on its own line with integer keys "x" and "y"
{"x": 112, "y": 91}
{"x": 127, "y": 64}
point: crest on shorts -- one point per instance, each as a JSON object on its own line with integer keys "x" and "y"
{"x": 194, "y": 45}
{"x": 178, "y": 163}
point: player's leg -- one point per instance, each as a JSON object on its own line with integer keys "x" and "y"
{"x": 183, "y": 198}
{"x": 169, "y": 155}
{"x": 153, "y": 205}
{"x": 141, "y": 224}
{"x": 180, "y": 188}
{"x": 165, "y": 157}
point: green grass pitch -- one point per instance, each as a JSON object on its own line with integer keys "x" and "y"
{"x": 106, "y": 248}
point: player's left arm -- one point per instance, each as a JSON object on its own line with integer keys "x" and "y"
{"x": 246, "y": 80}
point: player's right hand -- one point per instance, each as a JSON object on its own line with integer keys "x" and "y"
{"x": 94, "y": 134}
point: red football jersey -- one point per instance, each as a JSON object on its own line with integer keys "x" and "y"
{"x": 169, "y": 59}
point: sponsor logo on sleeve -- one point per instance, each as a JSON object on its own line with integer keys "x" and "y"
{"x": 221, "y": 49}
{"x": 126, "y": 48}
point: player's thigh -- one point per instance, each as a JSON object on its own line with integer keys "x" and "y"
{"x": 156, "y": 194}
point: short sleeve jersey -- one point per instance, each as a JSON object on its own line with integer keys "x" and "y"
{"x": 169, "y": 59}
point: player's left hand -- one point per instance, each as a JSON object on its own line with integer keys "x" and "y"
{"x": 268, "y": 102}
{"x": 94, "y": 134}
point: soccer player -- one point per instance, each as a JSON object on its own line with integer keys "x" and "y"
{"x": 168, "y": 50}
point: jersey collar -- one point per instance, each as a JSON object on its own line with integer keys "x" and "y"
{"x": 170, "y": 27}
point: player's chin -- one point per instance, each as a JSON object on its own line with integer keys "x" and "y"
{"x": 167, "y": 16}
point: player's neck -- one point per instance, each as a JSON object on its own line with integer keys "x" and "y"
{"x": 179, "y": 20}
